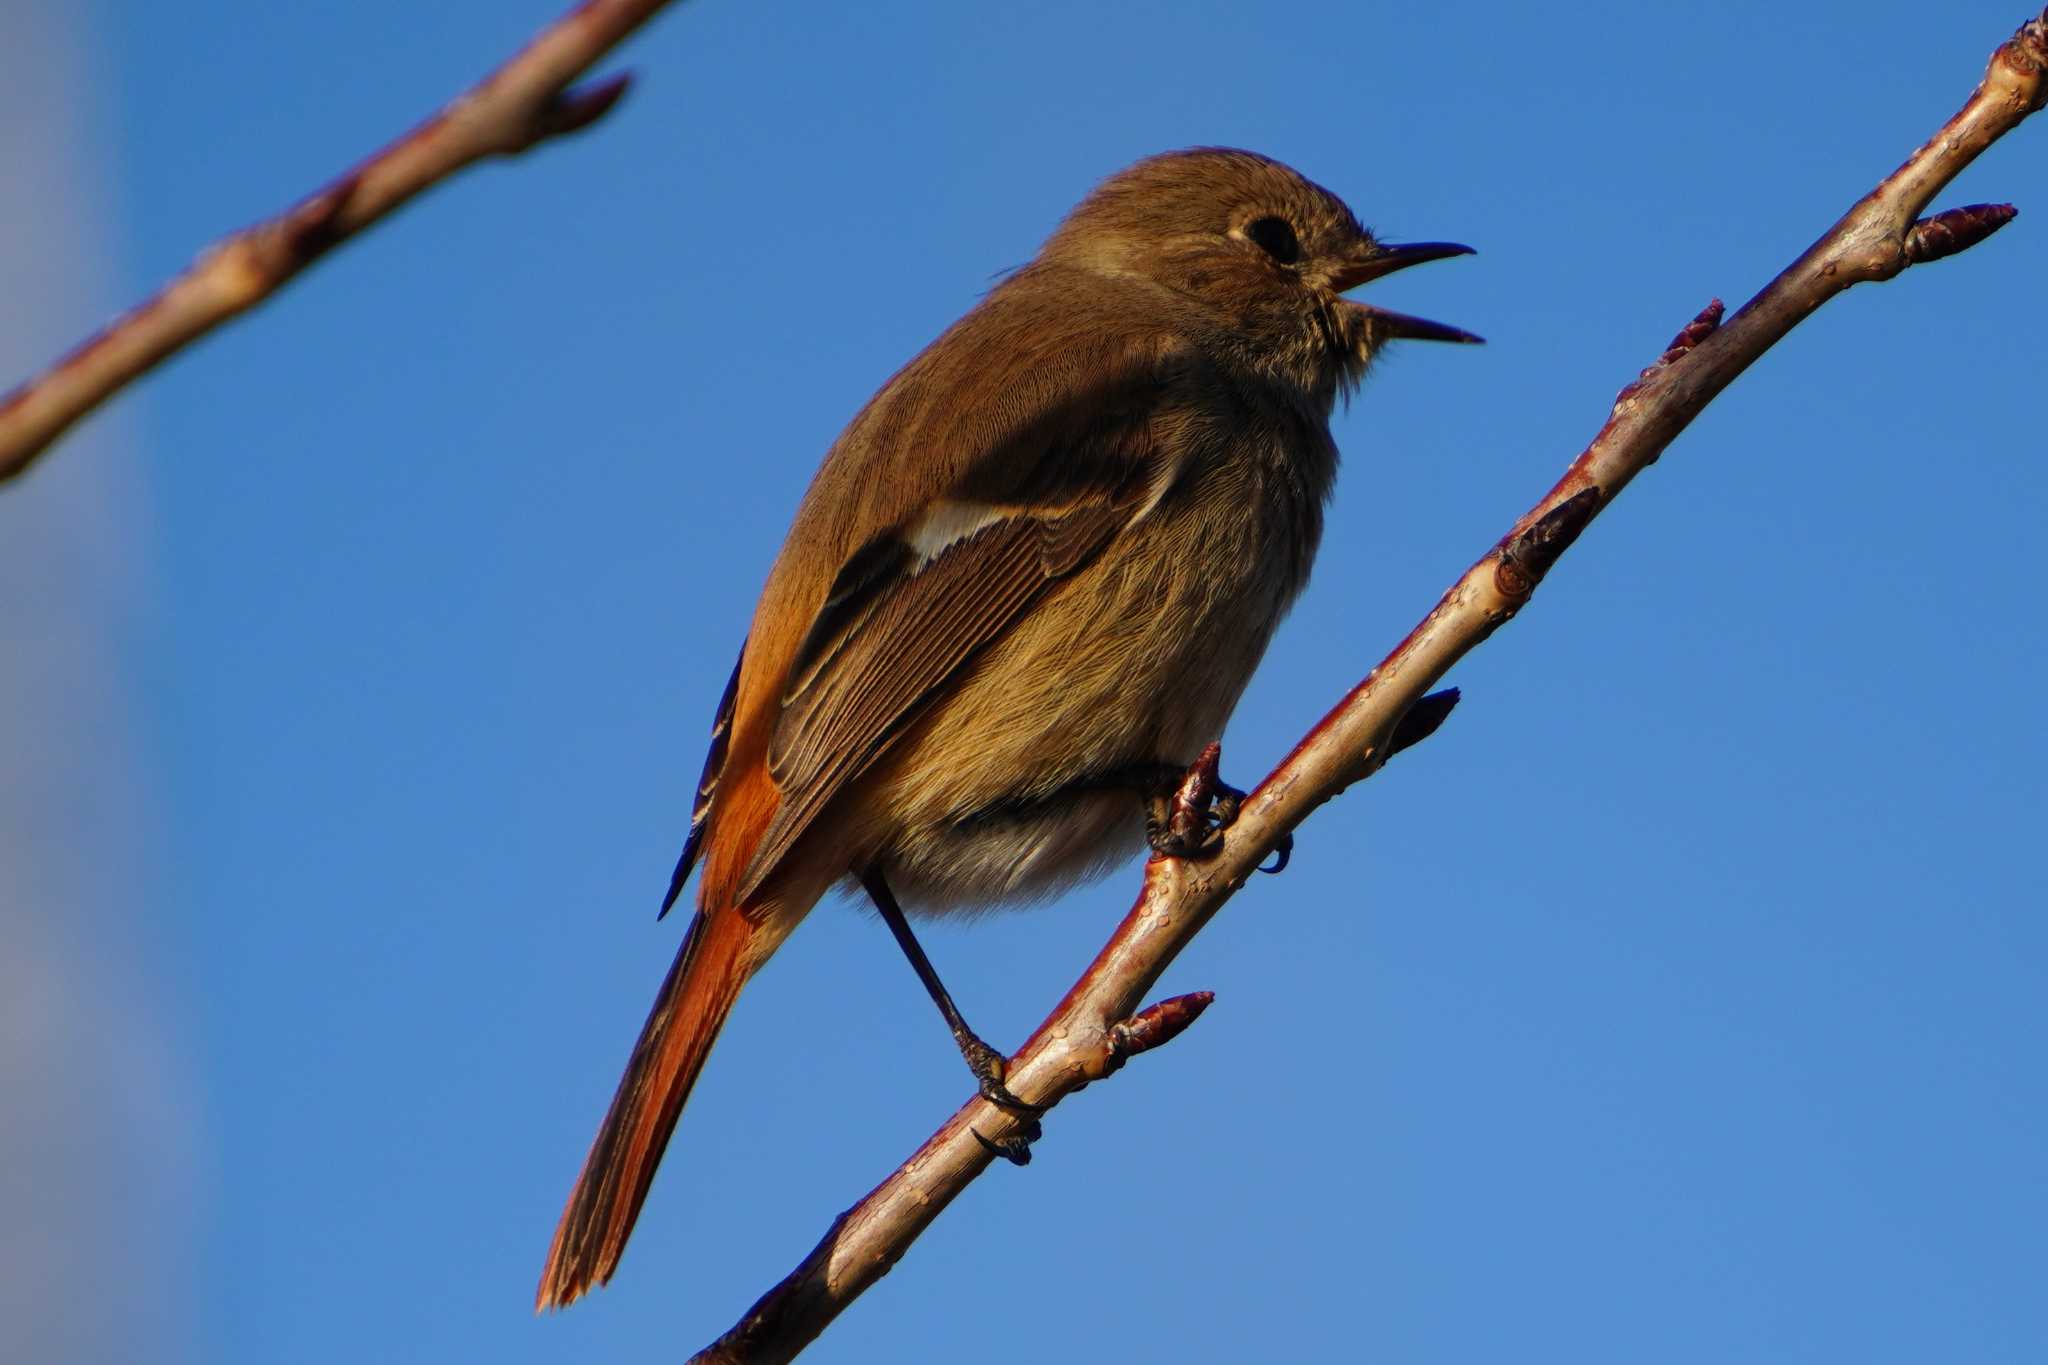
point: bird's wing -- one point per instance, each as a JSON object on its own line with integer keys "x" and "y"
{"x": 910, "y": 608}
{"x": 707, "y": 787}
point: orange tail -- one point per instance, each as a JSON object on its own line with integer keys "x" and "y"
{"x": 712, "y": 965}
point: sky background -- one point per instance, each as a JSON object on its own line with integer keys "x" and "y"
{"x": 1681, "y": 1000}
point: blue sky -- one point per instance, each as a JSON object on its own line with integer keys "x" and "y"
{"x": 1681, "y": 1000}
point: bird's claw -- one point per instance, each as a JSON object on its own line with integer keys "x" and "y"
{"x": 996, "y": 1093}
{"x": 1013, "y": 1147}
{"x": 1283, "y": 852}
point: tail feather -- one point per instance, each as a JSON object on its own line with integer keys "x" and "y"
{"x": 712, "y": 965}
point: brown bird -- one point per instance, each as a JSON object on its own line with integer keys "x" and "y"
{"x": 1024, "y": 590}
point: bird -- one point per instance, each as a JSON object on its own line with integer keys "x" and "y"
{"x": 1023, "y": 591}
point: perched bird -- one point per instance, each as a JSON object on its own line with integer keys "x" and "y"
{"x": 1024, "y": 590}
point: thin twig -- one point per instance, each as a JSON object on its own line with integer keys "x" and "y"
{"x": 525, "y": 102}
{"x": 1081, "y": 1040}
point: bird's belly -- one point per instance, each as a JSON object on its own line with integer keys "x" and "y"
{"x": 1006, "y": 789}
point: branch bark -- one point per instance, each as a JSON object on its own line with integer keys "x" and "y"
{"x": 523, "y": 103}
{"x": 1092, "y": 1031}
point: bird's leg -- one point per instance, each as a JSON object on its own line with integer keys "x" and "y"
{"x": 987, "y": 1064}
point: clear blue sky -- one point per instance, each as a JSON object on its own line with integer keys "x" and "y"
{"x": 1681, "y": 1001}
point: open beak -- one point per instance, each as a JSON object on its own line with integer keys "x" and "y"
{"x": 1385, "y": 259}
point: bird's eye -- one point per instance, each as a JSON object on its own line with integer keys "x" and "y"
{"x": 1275, "y": 237}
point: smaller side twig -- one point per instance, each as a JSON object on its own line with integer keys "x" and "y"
{"x": 523, "y": 103}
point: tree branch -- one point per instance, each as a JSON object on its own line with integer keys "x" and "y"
{"x": 1091, "y": 1031}
{"x": 523, "y": 103}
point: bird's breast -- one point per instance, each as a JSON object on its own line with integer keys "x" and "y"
{"x": 997, "y": 792}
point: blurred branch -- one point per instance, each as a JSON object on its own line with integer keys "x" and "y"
{"x": 523, "y": 103}
{"x": 1090, "y": 1031}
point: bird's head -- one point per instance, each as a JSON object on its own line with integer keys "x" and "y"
{"x": 1265, "y": 251}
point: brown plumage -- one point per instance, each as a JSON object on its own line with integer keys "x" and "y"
{"x": 1046, "y": 556}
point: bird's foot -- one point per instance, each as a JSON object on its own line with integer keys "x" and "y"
{"x": 991, "y": 1068}
{"x": 1188, "y": 820}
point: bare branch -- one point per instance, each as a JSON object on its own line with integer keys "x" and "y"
{"x": 1087, "y": 1035}
{"x": 523, "y": 103}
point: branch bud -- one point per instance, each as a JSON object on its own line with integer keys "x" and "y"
{"x": 1955, "y": 230}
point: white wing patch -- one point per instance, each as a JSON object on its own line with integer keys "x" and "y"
{"x": 947, "y": 524}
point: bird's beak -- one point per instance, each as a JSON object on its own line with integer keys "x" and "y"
{"x": 1385, "y": 259}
